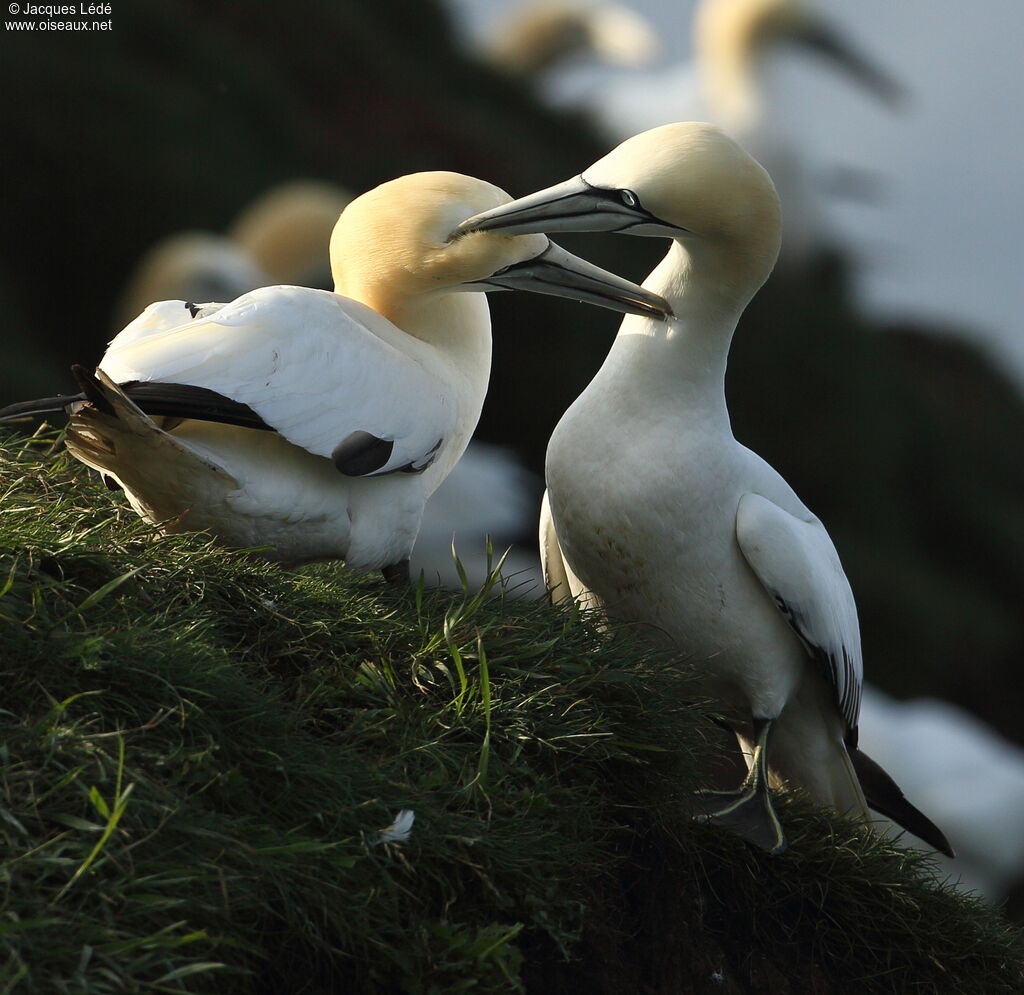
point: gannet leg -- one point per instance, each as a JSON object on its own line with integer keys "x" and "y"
{"x": 747, "y": 811}
{"x": 397, "y": 573}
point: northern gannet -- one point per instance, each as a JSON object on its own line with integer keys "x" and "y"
{"x": 726, "y": 82}
{"x": 654, "y": 510}
{"x": 314, "y": 423}
{"x": 542, "y": 34}
{"x": 192, "y": 265}
{"x": 287, "y": 229}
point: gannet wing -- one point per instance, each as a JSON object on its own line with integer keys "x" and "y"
{"x": 799, "y": 567}
{"x": 161, "y": 317}
{"x": 313, "y": 367}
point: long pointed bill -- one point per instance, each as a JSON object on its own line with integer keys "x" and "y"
{"x": 826, "y": 42}
{"x": 570, "y": 206}
{"x": 562, "y": 274}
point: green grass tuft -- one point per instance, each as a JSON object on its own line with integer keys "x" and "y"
{"x": 199, "y": 751}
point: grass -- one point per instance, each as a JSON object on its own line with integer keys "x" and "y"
{"x": 199, "y": 752}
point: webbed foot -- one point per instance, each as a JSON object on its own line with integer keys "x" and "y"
{"x": 748, "y": 811}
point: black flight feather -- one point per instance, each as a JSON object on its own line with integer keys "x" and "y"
{"x": 360, "y": 453}
{"x": 156, "y": 399}
{"x": 884, "y": 795}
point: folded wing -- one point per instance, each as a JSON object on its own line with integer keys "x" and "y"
{"x": 314, "y": 366}
{"x": 798, "y": 565}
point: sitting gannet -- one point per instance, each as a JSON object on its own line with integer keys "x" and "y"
{"x": 657, "y": 513}
{"x": 314, "y": 423}
{"x": 192, "y": 265}
{"x": 286, "y": 231}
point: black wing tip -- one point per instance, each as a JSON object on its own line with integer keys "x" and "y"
{"x": 883, "y": 794}
{"x": 92, "y": 389}
{"x": 361, "y": 453}
{"x": 40, "y": 406}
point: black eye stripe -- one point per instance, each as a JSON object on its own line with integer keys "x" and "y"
{"x": 629, "y": 198}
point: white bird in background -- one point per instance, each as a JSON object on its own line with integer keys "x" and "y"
{"x": 286, "y": 231}
{"x": 727, "y": 82}
{"x": 540, "y": 35}
{"x": 489, "y": 495}
{"x": 658, "y": 514}
{"x": 280, "y": 238}
{"x": 312, "y": 423}
{"x": 969, "y": 778}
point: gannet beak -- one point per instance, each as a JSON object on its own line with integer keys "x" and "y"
{"x": 574, "y": 205}
{"x": 562, "y": 274}
{"x": 825, "y": 41}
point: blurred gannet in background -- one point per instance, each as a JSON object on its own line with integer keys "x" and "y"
{"x": 315, "y": 423}
{"x": 192, "y": 266}
{"x": 489, "y": 495}
{"x": 286, "y": 231}
{"x": 969, "y": 778}
{"x": 734, "y": 42}
{"x": 657, "y": 513}
{"x": 542, "y": 34}
{"x": 280, "y": 238}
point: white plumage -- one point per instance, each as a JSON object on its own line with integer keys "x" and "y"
{"x": 369, "y": 394}
{"x": 735, "y": 43}
{"x": 347, "y": 367}
{"x": 658, "y": 514}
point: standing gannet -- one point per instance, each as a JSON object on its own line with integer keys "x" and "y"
{"x": 313, "y": 423}
{"x": 735, "y": 42}
{"x": 657, "y": 513}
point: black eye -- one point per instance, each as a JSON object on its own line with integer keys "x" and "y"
{"x": 629, "y": 198}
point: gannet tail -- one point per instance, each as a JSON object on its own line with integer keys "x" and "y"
{"x": 109, "y": 433}
{"x": 884, "y": 796}
{"x": 154, "y": 398}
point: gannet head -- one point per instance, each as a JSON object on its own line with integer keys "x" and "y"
{"x": 287, "y": 228}
{"x": 392, "y": 246}
{"x": 731, "y": 36}
{"x": 688, "y": 181}
{"x": 541, "y": 34}
{"x": 190, "y": 266}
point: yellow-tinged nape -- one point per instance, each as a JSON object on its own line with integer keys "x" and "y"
{"x": 697, "y": 178}
{"x": 729, "y": 37}
{"x": 286, "y": 229}
{"x": 390, "y": 246}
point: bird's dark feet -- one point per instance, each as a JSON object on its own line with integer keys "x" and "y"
{"x": 397, "y": 573}
{"x": 748, "y": 811}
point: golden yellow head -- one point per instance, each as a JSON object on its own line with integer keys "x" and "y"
{"x": 392, "y": 243}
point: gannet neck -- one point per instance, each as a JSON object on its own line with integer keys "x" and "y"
{"x": 457, "y": 324}
{"x": 710, "y": 278}
{"x": 730, "y": 38}
{"x": 681, "y": 362}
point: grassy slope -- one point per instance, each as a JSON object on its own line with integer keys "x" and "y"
{"x": 198, "y": 752}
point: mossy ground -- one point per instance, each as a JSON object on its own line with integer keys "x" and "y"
{"x": 199, "y": 750}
